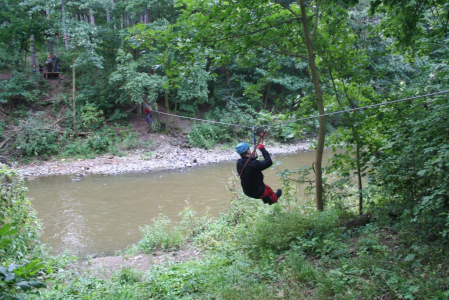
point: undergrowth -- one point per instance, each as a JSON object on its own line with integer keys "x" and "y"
{"x": 255, "y": 251}
{"x": 285, "y": 251}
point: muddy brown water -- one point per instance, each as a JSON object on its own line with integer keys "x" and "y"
{"x": 99, "y": 215}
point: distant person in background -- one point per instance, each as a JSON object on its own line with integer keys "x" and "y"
{"x": 148, "y": 117}
{"x": 49, "y": 64}
{"x": 34, "y": 69}
{"x": 41, "y": 68}
{"x": 55, "y": 61}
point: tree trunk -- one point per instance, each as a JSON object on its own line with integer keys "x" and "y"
{"x": 266, "y": 96}
{"x": 149, "y": 16}
{"x": 50, "y": 41}
{"x": 33, "y": 50}
{"x": 167, "y": 106}
{"x": 228, "y": 87}
{"x": 322, "y": 119}
{"x": 73, "y": 94}
{"x": 112, "y": 1}
{"x": 359, "y": 169}
{"x": 145, "y": 15}
{"x": 92, "y": 19}
{"x": 66, "y": 41}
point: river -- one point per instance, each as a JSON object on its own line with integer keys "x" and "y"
{"x": 99, "y": 215}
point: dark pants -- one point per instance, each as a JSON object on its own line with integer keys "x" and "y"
{"x": 148, "y": 117}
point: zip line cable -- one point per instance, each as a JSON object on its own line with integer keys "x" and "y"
{"x": 203, "y": 120}
{"x": 306, "y": 118}
{"x": 355, "y": 109}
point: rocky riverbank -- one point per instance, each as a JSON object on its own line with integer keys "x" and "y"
{"x": 165, "y": 157}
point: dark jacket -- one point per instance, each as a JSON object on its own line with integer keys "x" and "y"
{"x": 252, "y": 177}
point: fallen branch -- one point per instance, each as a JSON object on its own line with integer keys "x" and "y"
{"x": 4, "y": 112}
{"x": 4, "y": 142}
{"x": 58, "y": 121}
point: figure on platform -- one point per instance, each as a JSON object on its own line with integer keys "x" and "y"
{"x": 41, "y": 68}
{"x": 55, "y": 61}
{"x": 34, "y": 69}
{"x": 49, "y": 64}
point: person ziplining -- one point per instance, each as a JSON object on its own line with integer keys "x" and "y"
{"x": 250, "y": 170}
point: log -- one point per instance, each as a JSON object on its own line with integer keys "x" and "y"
{"x": 4, "y": 142}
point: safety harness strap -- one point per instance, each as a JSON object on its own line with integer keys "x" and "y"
{"x": 254, "y": 151}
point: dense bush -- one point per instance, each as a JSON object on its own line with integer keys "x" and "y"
{"x": 16, "y": 210}
{"x": 412, "y": 168}
{"x": 19, "y": 230}
{"x": 206, "y": 135}
{"x": 107, "y": 140}
{"x": 36, "y": 137}
{"x": 21, "y": 87}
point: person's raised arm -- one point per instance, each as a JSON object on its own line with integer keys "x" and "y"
{"x": 267, "y": 162}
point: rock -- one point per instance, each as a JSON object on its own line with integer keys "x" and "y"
{"x": 188, "y": 165}
{"x": 110, "y": 157}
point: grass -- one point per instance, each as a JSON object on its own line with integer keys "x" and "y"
{"x": 286, "y": 251}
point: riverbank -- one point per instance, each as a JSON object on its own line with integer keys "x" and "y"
{"x": 164, "y": 157}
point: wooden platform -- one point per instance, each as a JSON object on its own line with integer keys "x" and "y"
{"x": 47, "y": 74}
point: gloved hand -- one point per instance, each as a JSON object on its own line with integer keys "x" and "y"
{"x": 260, "y": 147}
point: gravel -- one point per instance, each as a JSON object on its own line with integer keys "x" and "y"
{"x": 166, "y": 157}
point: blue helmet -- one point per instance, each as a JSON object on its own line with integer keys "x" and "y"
{"x": 241, "y": 148}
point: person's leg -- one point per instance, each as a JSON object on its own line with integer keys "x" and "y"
{"x": 269, "y": 196}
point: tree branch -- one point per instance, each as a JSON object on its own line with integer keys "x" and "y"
{"x": 4, "y": 142}
{"x": 248, "y": 33}
{"x": 283, "y": 53}
{"x": 4, "y": 112}
{"x": 316, "y": 19}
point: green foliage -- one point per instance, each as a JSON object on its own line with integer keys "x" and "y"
{"x": 18, "y": 239}
{"x": 283, "y": 132}
{"x": 134, "y": 85}
{"x": 166, "y": 235}
{"x": 206, "y": 135}
{"x": 412, "y": 169}
{"x": 18, "y": 279}
{"x": 161, "y": 234}
{"x": 92, "y": 118}
{"x": 21, "y": 87}
{"x": 17, "y": 212}
{"x": 36, "y": 137}
{"x": 287, "y": 229}
{"x": 106, "y": 140}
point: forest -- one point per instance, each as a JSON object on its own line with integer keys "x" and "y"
{"x": 367, "y": 78}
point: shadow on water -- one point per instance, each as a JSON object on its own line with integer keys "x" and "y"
{"x": 102, "y": 214}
